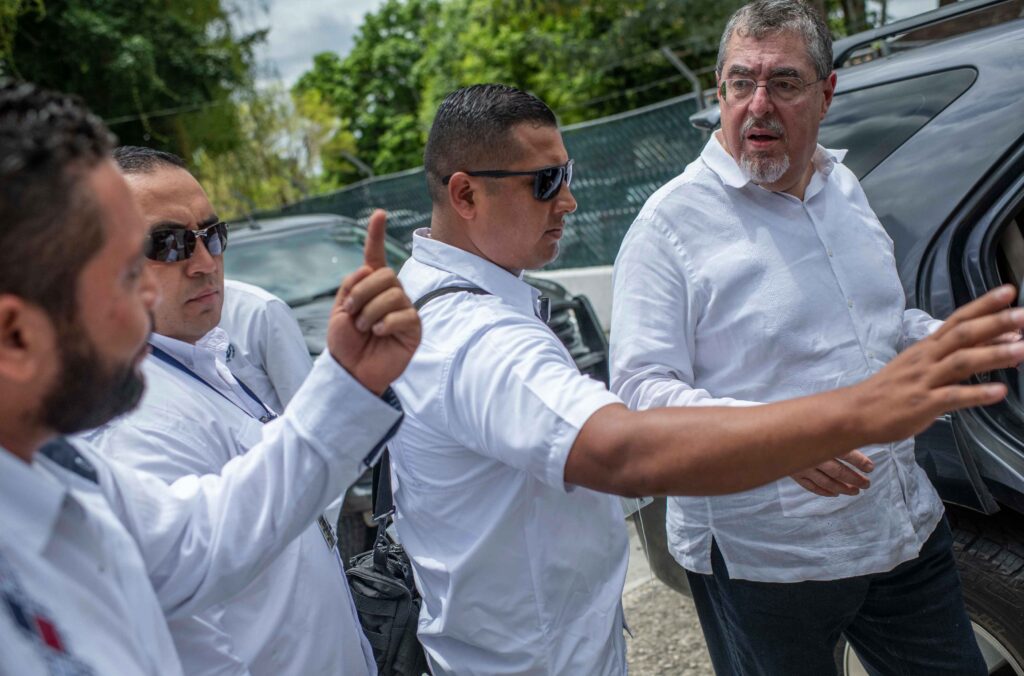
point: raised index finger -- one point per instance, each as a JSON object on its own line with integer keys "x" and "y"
{"x": 374, "y": 255}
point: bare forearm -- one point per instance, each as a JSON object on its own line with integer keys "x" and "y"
{"x": 714, "y": 450}
{"x": 710, "y": 451}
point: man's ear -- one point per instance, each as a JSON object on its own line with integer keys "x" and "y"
{"x": 462, "y": 195}
{"x": 829, "y": 91}
{"x": 27, "y": 339}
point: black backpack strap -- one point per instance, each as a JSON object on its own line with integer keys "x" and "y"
{"x": 383, "y": 500}
{"x": 445, "y": 290}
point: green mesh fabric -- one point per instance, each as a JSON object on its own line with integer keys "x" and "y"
{"x": 619, "y": 162}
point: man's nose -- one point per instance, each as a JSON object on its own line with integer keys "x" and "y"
{"x": 565, "y": 201}
{"x": 761, "y": 103}
{"x": 201, "y": 262}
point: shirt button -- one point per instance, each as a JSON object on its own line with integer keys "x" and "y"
{"x": 871, "y": 355}
{"x": 829, "y": 251}
{"x": 849, "y": 302}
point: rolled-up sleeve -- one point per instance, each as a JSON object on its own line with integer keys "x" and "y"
{"x": 514, "y": 395}
{"x": 656, "y": 307}
{"x": 917, "y": 325}
{"x": 204, "y": 538}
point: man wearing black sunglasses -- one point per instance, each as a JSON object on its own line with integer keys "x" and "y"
{"x": 97, "y": 558}
{"x": 199, "y": 413}
{"x": 505, "y": 461}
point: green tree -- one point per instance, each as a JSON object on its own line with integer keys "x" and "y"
{"x": 277, "y": 160}
{"x": 586, "y": 58}
{"x": 374, "y": 91}
{"x": 160, "y": 73}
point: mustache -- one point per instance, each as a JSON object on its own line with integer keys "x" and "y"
{"x": 768, "y": 123}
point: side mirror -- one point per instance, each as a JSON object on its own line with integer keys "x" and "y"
{"x": 707, "y": 119}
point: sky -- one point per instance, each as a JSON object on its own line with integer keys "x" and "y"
{"x": 299, "y": 29}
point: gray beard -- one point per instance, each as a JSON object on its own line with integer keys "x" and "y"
{"x": 764, "y": 170}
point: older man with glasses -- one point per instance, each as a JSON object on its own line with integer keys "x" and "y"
{"x": 198, "y": 414}
{"x": 96, "y": 558}
{"x": 503, "y": 468}
{"x": 759, "y": 274}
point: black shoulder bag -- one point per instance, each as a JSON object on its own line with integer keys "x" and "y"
{"x": 381, "y": 579}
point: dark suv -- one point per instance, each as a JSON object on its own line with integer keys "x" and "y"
{"x": 930, "y": 110}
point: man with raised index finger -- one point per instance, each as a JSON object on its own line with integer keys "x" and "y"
{"x": 760, "y": 274}
{"x": 199, "y": 412}
{"x": 96, "y": 558}
{"x": 503, "y": 468}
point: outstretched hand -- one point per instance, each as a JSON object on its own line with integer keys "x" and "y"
{"x": 927, "y": 379}
{"x": 373, "y": 329}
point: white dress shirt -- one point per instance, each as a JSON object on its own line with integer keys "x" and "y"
{"x": 728, "y": 294}
{"x": 90, "y": 570}
{"x": 268, "y": 352}
{"x": 297, "y": 617}
{"x": 519, "y": 572}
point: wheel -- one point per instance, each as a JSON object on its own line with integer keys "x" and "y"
{"x": 989, "y": 552}
{"x": 354, "y": 536}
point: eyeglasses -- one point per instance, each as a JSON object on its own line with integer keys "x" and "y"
{"x": 782, "y": 89}
{"x": 177, "y": 244}
{"x": 546, "y": 182}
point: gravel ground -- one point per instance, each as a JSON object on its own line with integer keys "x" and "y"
{"x": 666, "y": 634}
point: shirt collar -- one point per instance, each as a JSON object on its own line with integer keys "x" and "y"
{"x": 211, "y": 347}
{"x": 30, "y": 502}
{"x": 474, "y": 269}
{"x": 729, "y": 172}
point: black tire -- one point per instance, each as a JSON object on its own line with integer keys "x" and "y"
{"x": 354, "y": 536}
{"x": 989, "y": 553}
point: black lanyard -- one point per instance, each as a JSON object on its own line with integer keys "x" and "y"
{"x": 267, "y": 416}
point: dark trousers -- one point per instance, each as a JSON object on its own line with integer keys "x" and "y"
{"x": 910, "y": 621}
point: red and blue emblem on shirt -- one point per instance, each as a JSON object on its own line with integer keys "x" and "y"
{"x": 36, "y": 625}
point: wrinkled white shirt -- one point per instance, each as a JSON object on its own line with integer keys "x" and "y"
{"x": 297, "y": 617}
{"x": 727, "y": 294}
{"x": 95, "y": 568}
{"x": 267, "y": 351}
{"x": 520, "y": 573}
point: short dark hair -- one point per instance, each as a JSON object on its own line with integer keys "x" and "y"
{"x": 472, "y": 127}
{"x": 765, "y": 17}
{"x": 50, "y": 224}
{"x": 140, "y": 160}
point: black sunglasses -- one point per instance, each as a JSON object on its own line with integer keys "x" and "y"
{"x": 546, "y": 182}
{"x": 177, "y": 244}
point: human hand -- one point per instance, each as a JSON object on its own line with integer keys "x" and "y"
{"x": 373, "y": 330}
{"x": 1008, "y": 337}
{"x": 925, "y": 380}
{"x": 835, "y": 477}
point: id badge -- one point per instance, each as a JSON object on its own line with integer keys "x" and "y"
{"x": 631, "y": 505}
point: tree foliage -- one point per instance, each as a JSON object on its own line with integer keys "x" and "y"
{"x": 586, "y": 58}
{"x": 375, "y": 90}
{"x": 179, "y": 76}
{"x": 160, "y": 73}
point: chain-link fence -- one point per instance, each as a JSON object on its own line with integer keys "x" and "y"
{"x": 619, "y": 162}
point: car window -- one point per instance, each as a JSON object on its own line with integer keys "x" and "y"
{"x": 295, "y": 265}
{"x": 873, "y": 122}
{"x": 959, "y": 24}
